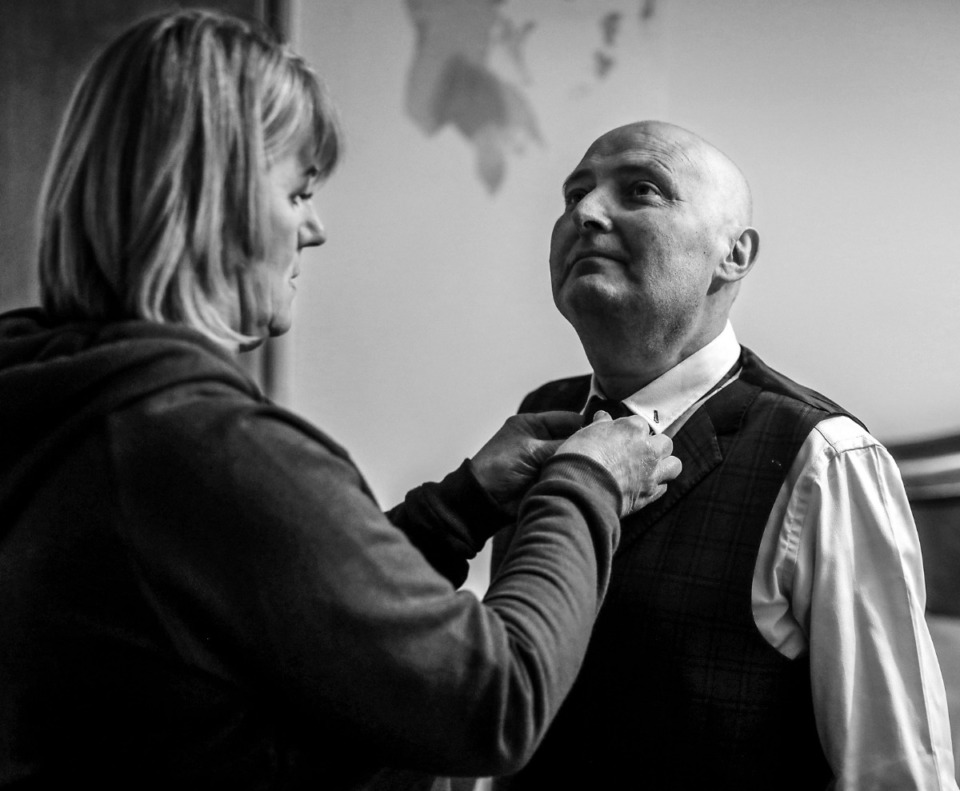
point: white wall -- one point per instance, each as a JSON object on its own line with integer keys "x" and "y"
{"x": 845, "y": 115}
{"x": 427, "y": 315}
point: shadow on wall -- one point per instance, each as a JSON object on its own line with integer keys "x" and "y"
{"x": 931, "y": 476}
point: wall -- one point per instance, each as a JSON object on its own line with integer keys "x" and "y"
{"x": 427, "y": 315}
{"x": 44, "y": 48}
{"x": 845, "y": 116}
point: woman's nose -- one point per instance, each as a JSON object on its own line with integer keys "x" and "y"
{"x": 312, "y": 232}
{"x": 591, "y": 212}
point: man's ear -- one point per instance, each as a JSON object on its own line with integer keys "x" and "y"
{"x": 741, "y": 256}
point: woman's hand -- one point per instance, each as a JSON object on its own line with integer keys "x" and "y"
{"x": 509, "y": 463}
{"x": 640, "y": 463}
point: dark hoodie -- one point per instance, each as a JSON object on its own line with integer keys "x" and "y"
{"x": 197, "y": 589}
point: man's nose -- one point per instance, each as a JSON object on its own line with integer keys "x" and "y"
{"x": 591, "y": 212}
{"x": 312, "y": 233}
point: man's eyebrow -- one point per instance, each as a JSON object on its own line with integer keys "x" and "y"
{"x": 646, "y": 168}
{"x": 652, "y": 169}
{"x": 575, "y": 176}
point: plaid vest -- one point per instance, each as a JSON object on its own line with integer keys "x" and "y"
{"x": 679, "y": 690}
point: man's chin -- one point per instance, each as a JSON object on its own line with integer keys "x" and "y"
{"x": 590, "y": 295}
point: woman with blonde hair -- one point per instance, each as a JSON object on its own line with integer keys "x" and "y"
{"x": 197, "y": 588}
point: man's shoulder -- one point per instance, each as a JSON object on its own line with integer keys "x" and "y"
{"x": 569, "y": 394}
{"x": 755, "y": 371}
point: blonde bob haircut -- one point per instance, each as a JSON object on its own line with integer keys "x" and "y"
{"x": 153, "y": 204}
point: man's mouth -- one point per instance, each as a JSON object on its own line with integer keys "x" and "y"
{"x": 595, "y": 258}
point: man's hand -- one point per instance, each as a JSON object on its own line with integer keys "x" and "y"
{"x": 509, "y": 463}
{"x": 640, "y": 462}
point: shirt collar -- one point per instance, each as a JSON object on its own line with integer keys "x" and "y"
{"x": 669, "y": 397}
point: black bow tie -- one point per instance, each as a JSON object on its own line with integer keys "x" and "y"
{"x": 614, "y": 408}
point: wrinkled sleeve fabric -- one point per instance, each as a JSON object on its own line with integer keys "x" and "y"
{"x": 262, "y": 550}
{"x": 450, "y": 521}
{"x": 848, "y": 587}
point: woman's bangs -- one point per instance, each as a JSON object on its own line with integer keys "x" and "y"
{"x": 299, "y": 116}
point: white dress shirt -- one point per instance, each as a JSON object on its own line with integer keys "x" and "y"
{"x": 839, "y": 576}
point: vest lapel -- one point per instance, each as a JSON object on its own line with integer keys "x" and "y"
{"x": 699, "y": 449}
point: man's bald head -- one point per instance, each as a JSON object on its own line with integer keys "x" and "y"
{"x": 647, "y": 258}
{"x": 732, "y": 191}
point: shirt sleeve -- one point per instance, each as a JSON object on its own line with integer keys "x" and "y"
{"x": 843, "y": 580}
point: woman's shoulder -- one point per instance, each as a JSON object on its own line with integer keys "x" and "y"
{"x": 210, "y": 418}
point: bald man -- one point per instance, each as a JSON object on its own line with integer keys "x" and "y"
{"x": 764, "y": 626}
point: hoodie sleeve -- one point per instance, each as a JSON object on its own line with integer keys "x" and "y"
{"x": 450, "y": 521}
{"x": 261, "y": 549}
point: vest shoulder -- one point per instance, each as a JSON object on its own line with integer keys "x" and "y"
{"x": 570, "y": 394}
{"x": 756, "y": 371}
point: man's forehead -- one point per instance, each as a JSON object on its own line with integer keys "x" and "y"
{"x": 679, "y": 153}
{"x": 647, "y": 135}
{"x": 641, "y": 146}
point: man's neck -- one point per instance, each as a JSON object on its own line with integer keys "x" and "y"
{"x": 620, "y": 384}
{"x": 623, "y": 372}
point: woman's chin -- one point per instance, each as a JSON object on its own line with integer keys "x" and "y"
{"x": 279, "y": 325}
{"x": 250, "y": 345}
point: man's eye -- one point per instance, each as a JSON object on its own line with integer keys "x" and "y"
{"x": 572, "y": 197}
{"x": 643, "y": 189}
{"x": 302, "y": 197}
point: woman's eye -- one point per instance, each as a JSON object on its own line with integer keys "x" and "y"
{"x": 302, "y": 197}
